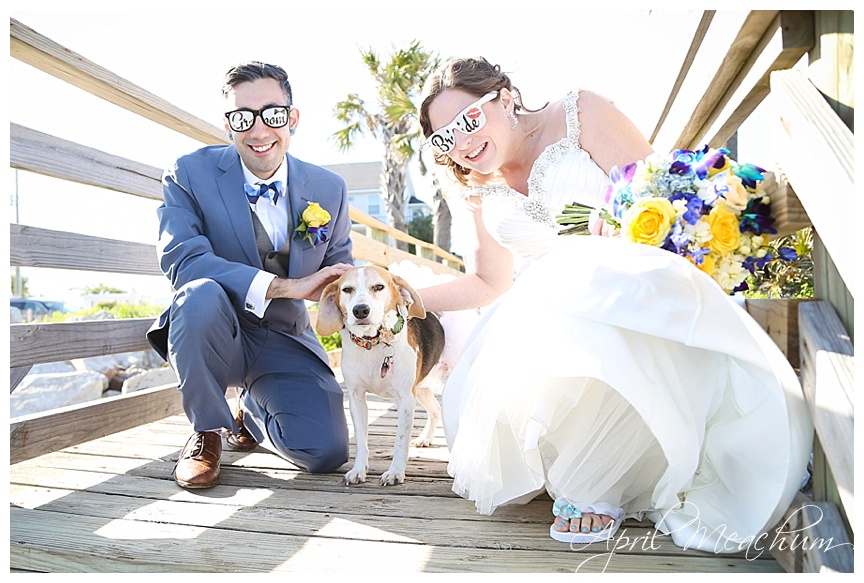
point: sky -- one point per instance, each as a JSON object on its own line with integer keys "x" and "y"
{"x": 180, "y": 51}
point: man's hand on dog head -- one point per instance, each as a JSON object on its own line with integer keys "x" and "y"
{"x": 309, "y": 287}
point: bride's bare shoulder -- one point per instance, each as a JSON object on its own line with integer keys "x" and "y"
{"x": 607, "y": 134}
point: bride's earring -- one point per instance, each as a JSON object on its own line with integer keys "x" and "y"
{"x": 515, "y": 120}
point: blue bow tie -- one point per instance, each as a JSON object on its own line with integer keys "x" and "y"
{"x": 253, "y": 193}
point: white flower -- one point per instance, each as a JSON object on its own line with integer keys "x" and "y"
{"x": 729, "y": 271}
{"x": 390, "y": 319}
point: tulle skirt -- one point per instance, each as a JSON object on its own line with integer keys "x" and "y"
{"x": 619, "y": 373}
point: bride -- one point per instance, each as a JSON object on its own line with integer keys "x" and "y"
{"x": 616, "y": 376}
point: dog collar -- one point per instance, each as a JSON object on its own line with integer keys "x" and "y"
{"x": 364, "y": 342}
{"x": 395, "y": 322}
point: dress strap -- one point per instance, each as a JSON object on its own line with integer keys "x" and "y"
{"x": 571, "y": 109}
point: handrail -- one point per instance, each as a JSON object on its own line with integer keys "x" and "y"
{"x": 51, "y": 156}
{"x": 725, "y": 74}
{"x": 36, "y": 50}
{"x": 817, "y": 153}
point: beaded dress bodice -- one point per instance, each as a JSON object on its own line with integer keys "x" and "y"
{"x": 562, "y": 174}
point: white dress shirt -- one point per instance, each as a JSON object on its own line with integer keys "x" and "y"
{"x": 274, "y": 218}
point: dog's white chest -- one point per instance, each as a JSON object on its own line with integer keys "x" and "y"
{"x": 386, "y": 371}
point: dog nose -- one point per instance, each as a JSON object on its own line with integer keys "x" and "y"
{"x": 360, "y": 311}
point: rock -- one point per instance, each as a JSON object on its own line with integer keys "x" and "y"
{"x": 144, "y": 359}
{"x": 42, "y": 392}
{"x": 150, "y": 378}
{"x": 49, "y": 367}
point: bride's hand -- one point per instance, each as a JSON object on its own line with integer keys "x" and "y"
{"x": 604, "y": 229}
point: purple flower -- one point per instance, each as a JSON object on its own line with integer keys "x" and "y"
{"x": 698, "y": 255}
{"x": 678, "y": 239}
{"x": 688, "y": 162}
{"x": 695, "y": 207}
{"x": 317, "y": 234}
{"x": 741, "y": 287}
{"x": 757, "y": 218}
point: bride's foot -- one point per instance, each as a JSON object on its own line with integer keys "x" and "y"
{"x": 598, "y": 522}
{"x": 588, "y": 523}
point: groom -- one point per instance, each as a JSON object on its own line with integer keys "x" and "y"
{"x": 229, "y": 242}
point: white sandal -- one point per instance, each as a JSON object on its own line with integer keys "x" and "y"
{"x": 567, "y": 511}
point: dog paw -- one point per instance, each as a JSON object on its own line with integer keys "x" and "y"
{"x": 421, "y": 441}
{"x": 354, "y": 477}
{"x": 392, "y": 477}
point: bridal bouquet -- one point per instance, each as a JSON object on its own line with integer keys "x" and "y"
{"x": 702, "y": 205}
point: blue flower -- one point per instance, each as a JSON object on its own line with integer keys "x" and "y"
{"x": 787, "y": 253}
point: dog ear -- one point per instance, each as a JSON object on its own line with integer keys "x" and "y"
{"x": 330, "y": 319}
{"x": 411, "y": 298}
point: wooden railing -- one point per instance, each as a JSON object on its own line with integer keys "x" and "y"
{"x": 35, "y": 343}
{"x": 715, "y": 93}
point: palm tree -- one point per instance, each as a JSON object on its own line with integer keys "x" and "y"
{"x": 395, "y": 123}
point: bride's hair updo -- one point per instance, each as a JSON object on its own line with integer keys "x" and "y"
{"x": 474, "y": 75}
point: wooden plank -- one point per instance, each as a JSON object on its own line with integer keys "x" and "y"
{"x": 359, "y": 521}
{"x": 383, "y": 230}
{"x": 779, "y": 318}
{"x": 787, "y": 39}
{"x": 52, "y": 541}
{"x": 827, "y": 376}
{"x": 51, "y": 156}
{"x": 378, "y": 253}
{"x": 36, "y": 247}
{"x": 727, "y": 46}
{"x": 684, "y": 71}
{"x": 41, "y": 433}
{"x": 831, "y": 66}
{"x": 32, "y": 48}
{"x": 817, "y": 153}
{"x": 785, "y": 207}
{"x": 59, "y": 341}
{"x": 16, "y": 375}
{"x": 813, "y": 540}
{"x": 829, "y": 286}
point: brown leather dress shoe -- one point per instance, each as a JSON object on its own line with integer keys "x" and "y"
{"x": 242, "y": 441}
{"x": 198, "y": 464}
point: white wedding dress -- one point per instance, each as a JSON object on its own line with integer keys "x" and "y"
{"x": 618, "y": 373}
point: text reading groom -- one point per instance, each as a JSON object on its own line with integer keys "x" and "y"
{"x": 246, "y": 233}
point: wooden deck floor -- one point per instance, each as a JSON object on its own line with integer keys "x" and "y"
{"x": 111, "y": 505}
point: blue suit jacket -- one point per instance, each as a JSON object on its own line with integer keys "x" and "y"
{"x": 206, "y": 231}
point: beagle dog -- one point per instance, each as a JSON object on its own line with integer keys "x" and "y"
{"x": 389, "y": 346}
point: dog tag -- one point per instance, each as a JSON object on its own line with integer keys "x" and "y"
{"x": 386, "y": 366}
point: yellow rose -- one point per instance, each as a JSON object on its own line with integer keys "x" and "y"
{"x": 315, "y": 216}
{"x": 736, "y": 195}
{"x": 707, "y": 264}
{"x": 725, "y": 231}
{"x": 648, "y": 221}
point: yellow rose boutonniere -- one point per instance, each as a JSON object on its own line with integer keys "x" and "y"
{"x": 312, "y": 224}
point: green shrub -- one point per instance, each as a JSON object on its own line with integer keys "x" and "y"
{"x": 332, "y": 342}
{"x": 786, "y": 279}
{"x": 118, "y": 310}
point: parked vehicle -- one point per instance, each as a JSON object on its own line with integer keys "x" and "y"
{"x": 33, "y": 309}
